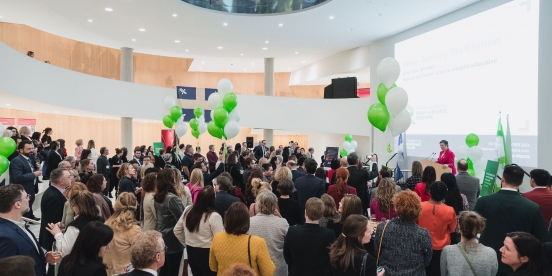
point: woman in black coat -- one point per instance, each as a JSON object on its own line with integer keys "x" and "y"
{"x": 235, "y": 170}
{"x": 53, "y": 158}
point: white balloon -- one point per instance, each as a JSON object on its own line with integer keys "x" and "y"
{"x": 225, "y": 86}
{"x": 169, "y": 102}
{"x": 461, "y": 152}
{"x": 388, "y": 71}
{"x": 354, "y": 144}
{"x": 396, "y": 100}
{"x": 351, "y": 151}
{"x": 235, "y": 115}
{"x": 475, "y": 153}
{"x": 201, "y": 119}
{"x": 202, "y": 127}
{"x": 231, "y": 129}
{"x": 180, "y": 129}
{"x": 399, "y": 123}
{"x": 2, "y": 128}
{"x": 480, "y": 165}
{"x": 346, "y": 146}
{"x": 215, "y": 100}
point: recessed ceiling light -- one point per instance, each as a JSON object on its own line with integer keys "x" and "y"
{"x": 56, "y": 111}
{"x": 244, "y": 69}
{"x": 264, "y": 48}
{"x": 331, "y": 17}
{"x": 186, "y": 50}
{"x": 142, "y": 30}
{"x": 252, "y": 63}
{"x": 219, "y": 47}
{"x": 90, "y": 20}
{"x": 199, "y": 68}
{"x": 175, "y": 15}
{"x": 241, "y": 55}
{"x": 0, "y": 16}
{"x": 177, "y": 41}
{"x": 100, "y": 116}
{"x": 281, "y": 25}
{"x": 225, "y": 24}
{"x": 266, "y": 41}
{"x": 296, "y": 53}
{"x": 108, "y": 9}
{"x": 8, "y": 104}
{"x": 288, "y": 68}
{"x": 133, "y": 39}
{"x": 303, "y": 61}
{"x": 349, "y": 29}
{"x": 203, "y": 62}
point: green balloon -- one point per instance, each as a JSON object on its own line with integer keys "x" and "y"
{"x": 198, "y": 111}
{"x": 472, "y": 140}
{"x": 471, "y": 170}
{"x": 382, "y": 92}
{"x": 7, "y": 146}
{"x": 348, "y": 137}
{"x": 4, "y": 164}
{"x": 168, "y": 121}
{"x": 176, "y": 113}
{"x": 230, "y": 101}
{"x": 214, "y": 130}
{"x": 343, "y": 152}
{"x": 195, "y": 133}
{"x": 220, "y": 116}
{"x": 194, "y": 124}
{"x": 378, "y": 115}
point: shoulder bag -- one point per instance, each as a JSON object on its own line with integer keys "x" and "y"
{"x": 363, "y": 267}
{"x": 249, "y": 250}
{"x": 467, "y": 260}
{"x": 381, "y": 239}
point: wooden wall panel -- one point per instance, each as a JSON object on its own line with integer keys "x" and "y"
{"x": 107, "y": 132}
{"x": 148, "y": 69}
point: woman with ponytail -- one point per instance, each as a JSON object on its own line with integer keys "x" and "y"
{"x": 347, "y": 254}
{"x": 125, "y": 229}
{"x": 340, "y": 188}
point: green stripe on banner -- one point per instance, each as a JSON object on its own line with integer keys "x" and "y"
{"x": 488, "y": 186}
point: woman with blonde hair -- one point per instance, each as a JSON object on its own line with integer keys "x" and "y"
{"x": 257, "y": 185}
{"x": 73, "y": 176}
{"x": 382, "y": 205}
{"x": 143, "y": 169}
{"x": 78, "y": 149}
{"x": 349, "y": 205}
{"x": 68, "y": 215}
{"x": 338, "y": 190}
{"x": 330, "y": 210}
{"x": 25, "y": 133}
{"x": 125, "y": 229}
{"x": 261, "y": 162}
{"x": 93, "y": 154}
{"x": 196, "y": 183}
{"x": 181, "y": 190}
{"x": 281, "y": 173}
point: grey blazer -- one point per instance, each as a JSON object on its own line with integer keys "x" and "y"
{"x": 167, "y": 214}
{"x": 469, "y": 186}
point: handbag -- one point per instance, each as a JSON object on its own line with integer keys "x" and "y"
{"x": 363, "y": 266}
{"x": 467, "y": 260}
{"x": 381, "y": 239}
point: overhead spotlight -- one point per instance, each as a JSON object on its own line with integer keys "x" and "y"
{"x": 331, "y": 17}
{"x": 225, "y": 24}
{"x": 219, "y": 47}
{"x": 266, "y": 41}
{"x": 109, "y": 9}
{"x": 90, "y": 20}
{"x": 203, "y": 62}
{"x": 133, "y": 39}
{"x": 281, "y": 25}
{"x": 186, "y": 50}
{"x": 56, "y": 111}
{"x": 142, "y": 30}
{"x": 252, "y": 63}
{"x": 289, "y": 68}
{"x": 244, "y": 69}
{"x": 303, "y": 61}
{"x": 175, "y": 15}
{"x": 199, "y": 68}
{"x": 177, "y": 41}
{"x": 241, "y": 55}
{"x": 264, "y": 48}
{"x": 8, "y": 104}
{"x": 296, "y": 53}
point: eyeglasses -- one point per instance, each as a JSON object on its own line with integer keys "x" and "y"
{"x": 164, "y": 249}
{"x": 27, "y": 197}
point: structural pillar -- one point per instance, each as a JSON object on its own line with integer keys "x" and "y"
{"x": 268, "y": 134}
{"x": 126, "y": 75}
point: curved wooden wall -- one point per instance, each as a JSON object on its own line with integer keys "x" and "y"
{"x": 148, "y": 69}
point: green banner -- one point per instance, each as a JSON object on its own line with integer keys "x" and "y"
{"x": 157, "y": 146}
{"x": 488, "y": 186}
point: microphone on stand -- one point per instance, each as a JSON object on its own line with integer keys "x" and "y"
{"x": 391, "y": 158}
{"x": 432, "y": 154}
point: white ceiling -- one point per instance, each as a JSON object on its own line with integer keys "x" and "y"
{"x": 304, "y": 38}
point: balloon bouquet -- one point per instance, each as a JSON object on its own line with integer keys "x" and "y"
{"x": 7, "y": 147}
{"x": 225, "y": 114}
{"x": 175, "y": 117}
{"x": 198, "y": 124}
{"x": 390, "y": 113}
{"x": 473, "y": 155}
{"x": 349, "y": 145}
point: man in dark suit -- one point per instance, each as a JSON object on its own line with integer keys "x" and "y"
{"x": 22, "y": 171}
{"x": 105, "y": 169}
{"x": 15, "y": 237}
{"x": 208, "y": 176}
{"x": 309, "y": 185}
{"x": 306, "y": 247}
{"x": 358, "y": 178}
{"x": 51, "y": 205}
{"x": 260, "y": 151}
{"x": 507, "y": 211}
{"x": 540, "y": 194}
{"x": 223, "y": 199}
{"x": 468, "y": 185}
{"x": 292, "y": 166}
{"x": 147, "y": 254}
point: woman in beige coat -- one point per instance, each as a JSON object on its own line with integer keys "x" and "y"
{"x": 125, "y": 229}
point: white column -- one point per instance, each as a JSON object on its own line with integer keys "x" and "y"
{"x": 126, "y": 133}
{"x": 268, "y": 134}
{"x": 126, "y": 64}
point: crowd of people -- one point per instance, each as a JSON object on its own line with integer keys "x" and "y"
{"x": 261, "y": 211}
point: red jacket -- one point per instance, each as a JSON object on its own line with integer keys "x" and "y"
{"x": 447, "y": 158}
{"x": 542, "y": 197}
